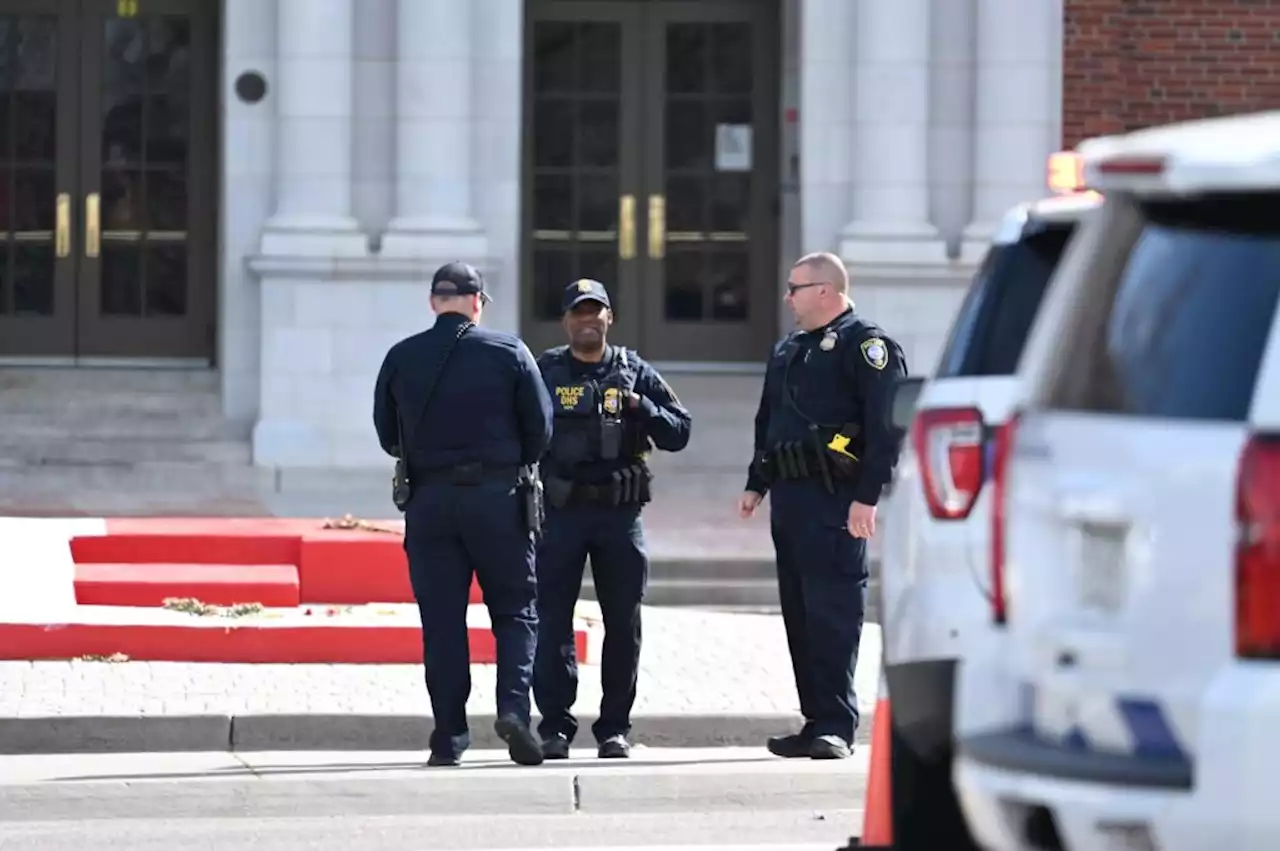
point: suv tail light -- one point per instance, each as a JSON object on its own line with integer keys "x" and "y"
{"x": 949, "y": 445}
{"x": 999, "y": 499}
{"x": 1258, "y": 550}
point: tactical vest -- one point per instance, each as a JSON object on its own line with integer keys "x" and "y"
{"x": 591, "y": 426}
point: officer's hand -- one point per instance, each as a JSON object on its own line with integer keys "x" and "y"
{"x": 862, "y": 520}
{"x": 748, "y": 503}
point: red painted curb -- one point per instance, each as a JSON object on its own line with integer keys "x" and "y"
{"x": 270, "y": 585}
{"x": 334, "y": 565}
{"x": 225, "y": 643}
{"x": 220, "y": 642}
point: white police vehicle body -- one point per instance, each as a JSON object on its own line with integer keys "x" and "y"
{"x": 936, "y": 580}
{"x": 1141, "y": 519}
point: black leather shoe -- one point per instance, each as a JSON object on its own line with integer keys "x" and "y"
{"x": 829, "y": 747}
{"x": 614, "y": 747}
{"x": 523, "y": 747}
{"x": 556, "y": 747}
{"x": 793, "y": 746}
{"x": 439, "y": 760}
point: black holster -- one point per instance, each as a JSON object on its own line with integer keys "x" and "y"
{"x": 532, "y": 510}
{"x": 401, "y": 488}
{"x": 843, "y": 466}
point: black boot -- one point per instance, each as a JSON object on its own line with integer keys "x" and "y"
{"x": 614, "y": 747}
{"x": 829, "y": 747}
{"x": 793, "y": 746}
{"x": 555, "y": 747}
{"x": 522, "y": 745}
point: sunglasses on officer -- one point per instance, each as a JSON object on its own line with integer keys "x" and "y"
{"x": 792, "y": 289}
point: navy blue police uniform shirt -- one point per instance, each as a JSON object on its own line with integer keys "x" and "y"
{"x": 490, "y": 405}
{"x": 665, "y": 419}
{"x": 843, "y": 372}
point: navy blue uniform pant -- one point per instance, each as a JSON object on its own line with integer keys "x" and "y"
{"x": 822, "y": 587}
{"x": 613, "y": 537}
{"x": 451, "y": 533}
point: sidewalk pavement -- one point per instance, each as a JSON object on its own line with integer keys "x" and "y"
{"x": 708, "y": 678}
{"x": 262, "y": 785}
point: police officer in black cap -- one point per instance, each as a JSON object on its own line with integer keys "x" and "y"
{"x": 465, "y": 458}
{"x": 825, "y": 449}
{"x": 611, "y": 409}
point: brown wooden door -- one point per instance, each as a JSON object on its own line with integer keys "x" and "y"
{"x": 622, "y": 181}
{"x": 109, "y": 161}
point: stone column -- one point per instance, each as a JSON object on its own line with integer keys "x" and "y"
{"x": 1018, "y": 108}
{"x": 951, "y": 117}
{"x": 890, "y": 223}
{"x": 434, "y": 215}
{"x": 496, "y": 157}
{"x": 825, "y": 125}
{"x": 313, "y": 131}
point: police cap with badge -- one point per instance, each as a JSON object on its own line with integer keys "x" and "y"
{"x": 582, "y": 290}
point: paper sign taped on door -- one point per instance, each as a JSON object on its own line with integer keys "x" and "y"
{"x": 733, "y": 147}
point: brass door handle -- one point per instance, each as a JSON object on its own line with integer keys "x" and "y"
{"x": 627, "y": 227}
{"x": 657, "y": 227}
{"x": 92, "y": 232}
{"x": 62, "y": 225}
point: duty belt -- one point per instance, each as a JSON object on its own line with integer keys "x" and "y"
{"x": 796, "y": 459}
{"x": 628, "y": 486}
{"x": 464, "y": 474}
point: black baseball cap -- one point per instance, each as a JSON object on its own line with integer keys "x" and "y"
{"x": 585, "y": 289}
{"x": 459, "y": 278}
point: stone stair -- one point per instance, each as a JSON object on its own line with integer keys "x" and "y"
{"x": 115, "y": 418}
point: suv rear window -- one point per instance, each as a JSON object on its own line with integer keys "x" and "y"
{"x": 991, "y": 328}
{"x": 1180, "y": 333}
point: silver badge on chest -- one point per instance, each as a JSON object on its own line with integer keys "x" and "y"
{"x": 828, "y": 342}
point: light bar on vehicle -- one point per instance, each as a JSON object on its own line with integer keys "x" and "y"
{"x": 1066, "y": 173}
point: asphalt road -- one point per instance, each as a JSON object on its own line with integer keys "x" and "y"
{"x": 660, "y": 800}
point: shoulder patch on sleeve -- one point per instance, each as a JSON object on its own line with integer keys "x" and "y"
{"x": 875, "y": 352}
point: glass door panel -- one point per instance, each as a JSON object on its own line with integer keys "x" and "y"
{"x": 581, "y": 168}
{"x": 38, "y": 63}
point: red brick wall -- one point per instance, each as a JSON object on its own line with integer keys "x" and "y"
{"x": 1129, "y": 64}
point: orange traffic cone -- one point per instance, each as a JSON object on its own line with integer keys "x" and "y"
{"x": 877, "y": 825}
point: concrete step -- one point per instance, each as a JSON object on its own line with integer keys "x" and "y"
{"x": 33, "y": 427}
{"x": 732, "y": 585}
{"x": 16, "y": 382}
{"x": 695, "y": 591}
{"x": 104, "y": 396}
{"x": 72, "y": 450}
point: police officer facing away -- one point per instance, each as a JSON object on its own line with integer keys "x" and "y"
{"x": 825, "y": 450}
{"x": 466, "y": 449}
{"x": 611, "y": 408}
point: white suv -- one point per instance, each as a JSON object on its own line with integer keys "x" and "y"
{"x": 1140, "y": 493}
{"x": 935, "y": 576}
